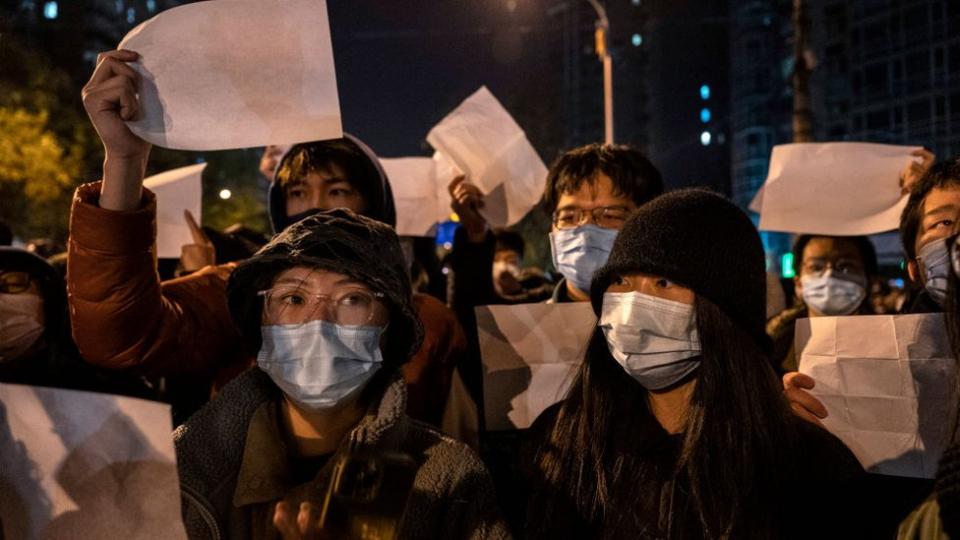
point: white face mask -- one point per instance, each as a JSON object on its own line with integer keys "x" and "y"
{"x": 832, "y": 296}
{"x": 578, "y": 253}
{"x": 935, "y": 260}
{"x": 21, "y": 324}
{"x": 319, "y": 364}
{"x": 654, "y": 339}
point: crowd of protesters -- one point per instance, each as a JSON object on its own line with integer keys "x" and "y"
{"x": 687, "y": 417}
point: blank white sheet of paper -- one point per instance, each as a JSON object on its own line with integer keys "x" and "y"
{"x": 219, "y": 75}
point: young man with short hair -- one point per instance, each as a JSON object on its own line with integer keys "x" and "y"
{"x": 932, "y": 210}
{"x": 589, "y": 192}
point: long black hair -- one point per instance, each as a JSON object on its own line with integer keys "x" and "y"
{"x": 601, "y": 455}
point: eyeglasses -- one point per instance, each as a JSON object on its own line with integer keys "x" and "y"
{"x": 292, "y": 305}
{"x": 608, "y": 217}
{"x": 14, "y": 282}
{"x": 843, "y": 267}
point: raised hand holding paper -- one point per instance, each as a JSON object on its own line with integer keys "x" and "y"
{"x": 413, "y": 181}
{"x": 176, "y": 191}
{"x": 833, "y": 188}
{"x": 238, "y": 74}
{"x": 486, "y": 144}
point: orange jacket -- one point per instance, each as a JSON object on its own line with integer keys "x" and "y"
{"x": 124, "y": 318}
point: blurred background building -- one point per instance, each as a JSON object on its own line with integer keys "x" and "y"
{"x": 703, "y": 86}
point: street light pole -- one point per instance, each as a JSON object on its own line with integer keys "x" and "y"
{"x": 602, "y": 35}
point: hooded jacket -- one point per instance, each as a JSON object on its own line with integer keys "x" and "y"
{"x": 452, "y": 495}
{"x": 372, "y": 183}
{"x": 183, "y": 327}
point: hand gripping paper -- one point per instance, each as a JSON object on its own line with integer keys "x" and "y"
{"x": 238, "y": 74}
{"x": 888, "y": 385}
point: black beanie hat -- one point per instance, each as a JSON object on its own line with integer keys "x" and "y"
{"x": 702, "y": 241}
{"x": 340, "y": 241}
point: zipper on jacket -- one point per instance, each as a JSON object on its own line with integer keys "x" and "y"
{"x": 204, "y": 510}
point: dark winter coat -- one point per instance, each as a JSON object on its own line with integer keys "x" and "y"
{"x": 452, "y": 493}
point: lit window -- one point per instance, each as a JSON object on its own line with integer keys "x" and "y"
{"x": 637, "y": 40}
{"x": 119, "y": 5}
{"x": 131, "y": 15}
{"x": 705, "y": 138}
{"x": 151, "y": 5}
{"x": 705, "y": 92}
{"x": 51, "y": 10}
{"x": 705, "y": 115}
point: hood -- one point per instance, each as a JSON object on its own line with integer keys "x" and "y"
{"x": 52, "y": 288}
{"x": 373, "y": 183}
{"x": 340, "y": 241}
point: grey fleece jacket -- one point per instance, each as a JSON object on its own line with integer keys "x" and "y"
{"x": 453, "y": 495}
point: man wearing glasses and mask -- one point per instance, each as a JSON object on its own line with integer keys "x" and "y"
{"x": 833, "y": 275}
{"x": 590, "y": 191}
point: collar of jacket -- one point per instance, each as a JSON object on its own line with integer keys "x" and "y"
{"x": 211, "y": 444}
{"x": 265, "y": 471}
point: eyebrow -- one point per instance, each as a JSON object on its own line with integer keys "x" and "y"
{"x": 942, "y": 208}
{"x": 576, "y": 207}
{"x": 335, "y": 180}
{"x": 296, "y": 281}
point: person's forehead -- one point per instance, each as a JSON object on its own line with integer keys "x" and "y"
{"x": 592, "y": 193}
{"x": 830, "y": 247}
{"x": 942, "y": 200}
{"x": 310, "y": 277}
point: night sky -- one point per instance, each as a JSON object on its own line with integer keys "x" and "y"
{"x": 402, "y": 66}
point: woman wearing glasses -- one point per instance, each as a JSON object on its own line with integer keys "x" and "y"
{"x": 314, "y": 442}
{"x": 676, "y": 426}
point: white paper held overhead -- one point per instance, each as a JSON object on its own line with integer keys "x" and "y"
{"x": 237, "y": 74}
{"x": 888, "y": 385}
{"x": 86, "y": 465}
{"x": 413, "y": 183}
{"x": 843, "y": 188}
{"x": 177, "y": 190}
{"x": 530, "y": 354}
{"x": 486, "y": 144}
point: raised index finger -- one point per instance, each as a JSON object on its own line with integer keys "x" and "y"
{"x": 199, "y": 237}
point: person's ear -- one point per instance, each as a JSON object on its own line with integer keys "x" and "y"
{"x": 913, "y": 270}
{"x": 797, "y": 287}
